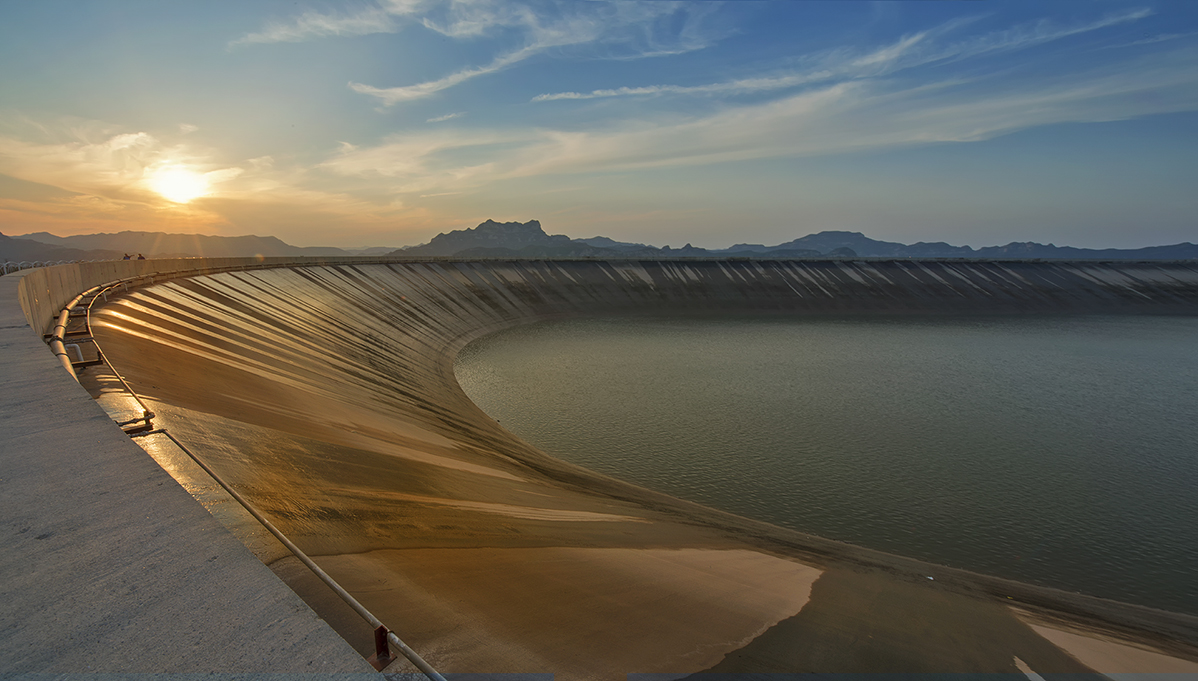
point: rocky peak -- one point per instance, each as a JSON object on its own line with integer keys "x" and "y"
{"x": 490, "y": 234}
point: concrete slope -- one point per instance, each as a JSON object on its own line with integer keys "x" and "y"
{"x": 326, "y": 395}
{"x": 107, "y": 565}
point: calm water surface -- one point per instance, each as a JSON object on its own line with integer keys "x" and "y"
{"x": 1057, "y": 451}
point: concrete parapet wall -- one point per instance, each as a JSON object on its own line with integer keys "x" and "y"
{"x": 44, "y": 291}
{"x": 848, "y": 285}
{"x": 837, "y": 286}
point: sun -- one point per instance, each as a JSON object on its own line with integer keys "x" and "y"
{"x": 179, "y": 184}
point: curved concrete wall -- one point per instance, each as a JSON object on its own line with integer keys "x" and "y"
{"x": 325, "y": 391}
{"x": 898, "y": 285}
{"x": 44, "y": 291}
{"x": 383, "y": 337}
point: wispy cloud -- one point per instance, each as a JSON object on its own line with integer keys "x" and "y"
{"x": 431, "y": 162}
{"x": 82, "y": 164}
{"x": 909, "y": 51}
{"x": 623, "y": 29}
{"x": 865, "y": 115}
{"x": 1031, "y": 35}
{"x": 618, "y": 29}
{"x": 390, "y": 96}
{"x": 102, "y": 177}
{"x": 853, "y": 116}
{"x": 310, "y": 25}
{"x": 1162, "y": 38}
{"x": 739, "y": 86}
{"x": 95, "y": 160}
{"x": 446, "y": 117}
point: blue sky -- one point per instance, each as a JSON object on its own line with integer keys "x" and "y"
{"x": 384, "y": 123}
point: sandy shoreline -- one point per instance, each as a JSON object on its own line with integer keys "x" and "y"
{"x": 487, "y": 555}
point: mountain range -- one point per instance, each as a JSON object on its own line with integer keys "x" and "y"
{"x": 529, "y": 240}
{"x": 44, "y": 246}
{"x": 162, "y": 245}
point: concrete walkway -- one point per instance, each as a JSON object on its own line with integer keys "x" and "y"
{"x": 107, "y": 565}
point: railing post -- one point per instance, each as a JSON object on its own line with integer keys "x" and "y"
{"x": 382, "y": 652}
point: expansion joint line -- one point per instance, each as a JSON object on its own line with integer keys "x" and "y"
{"x": 383, "y": 635}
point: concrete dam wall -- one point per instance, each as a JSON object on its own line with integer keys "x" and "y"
{"x": 392, "y": 330}
{"x": 325, "y": 393}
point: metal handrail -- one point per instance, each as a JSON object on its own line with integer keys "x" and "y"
{"x": 412, "y": 655}
{"x": 56, "y": 336}
{"x": 103, "y": 290}
{"x": 147, "y": 415}
{"x": 10, "y": 266}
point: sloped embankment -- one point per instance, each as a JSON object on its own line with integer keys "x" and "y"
{"x": 326, "y": 394}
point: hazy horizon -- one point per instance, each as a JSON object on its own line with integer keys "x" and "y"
{"x": 385, "y": 123}
{"x": 679, "y": 244}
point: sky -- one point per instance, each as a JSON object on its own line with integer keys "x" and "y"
{"x": 384, "y": 123}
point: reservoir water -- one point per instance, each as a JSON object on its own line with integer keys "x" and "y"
{"x": 1058, "y": 451}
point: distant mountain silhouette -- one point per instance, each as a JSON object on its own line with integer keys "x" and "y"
{"x": 825, "y": 242}
{"x": 604, "y": 242}
{"x": 507, "y": 236}
{"x": 872, "y": 248}
{"x": 567, "y": 250}
{"x": 1028, "y": 249}
{"x": 373, "y": 250}
{"x": 528, "y": 240}
{"x": 23, "y": 250}
{"x": 162, "y": 245}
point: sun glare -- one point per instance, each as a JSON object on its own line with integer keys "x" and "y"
{"x": 179, "y": 184}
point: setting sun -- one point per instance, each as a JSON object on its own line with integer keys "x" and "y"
{"x": 179, "y": 184}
